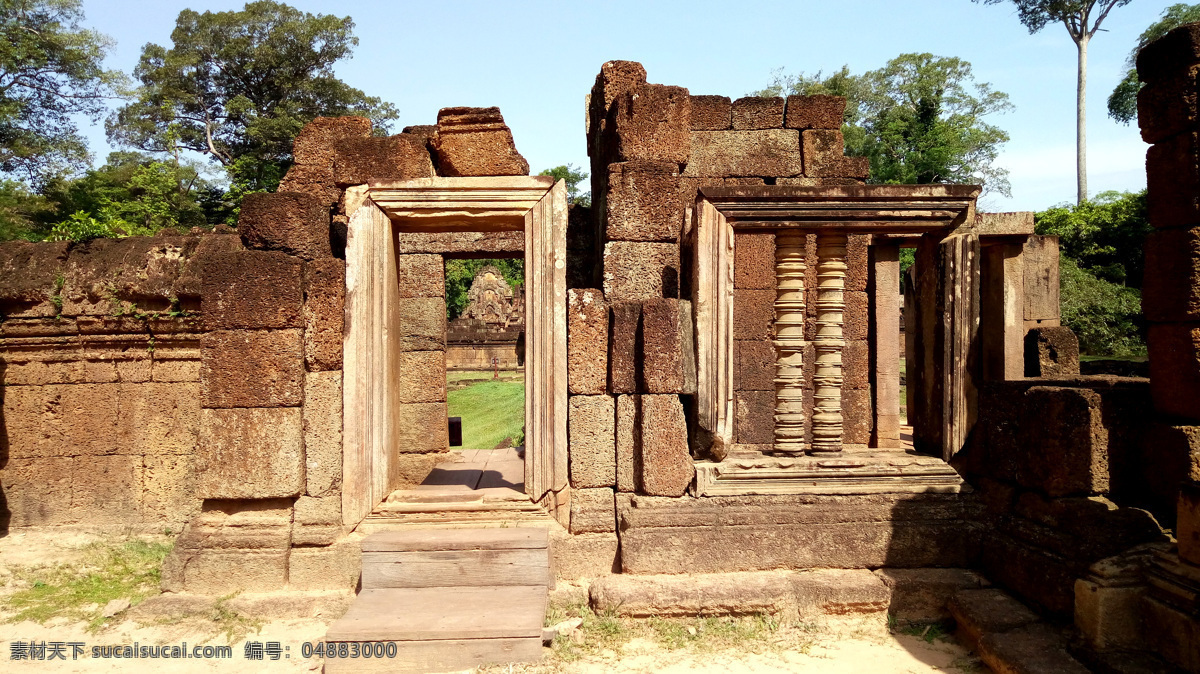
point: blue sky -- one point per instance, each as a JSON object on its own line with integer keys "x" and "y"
{"x": 537, "y": 61}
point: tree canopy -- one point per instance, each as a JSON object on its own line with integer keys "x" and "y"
{"x": 920, "y": 119}
{"x": 1105, "y": 234}
{"x": 1122, "y": 102}
{"x": 573, "y": 176}
{"x": 50, "y": 70}
{"x": 238, "y": 86}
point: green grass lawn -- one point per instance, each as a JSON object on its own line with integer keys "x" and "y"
{"x": 491, "y": 411}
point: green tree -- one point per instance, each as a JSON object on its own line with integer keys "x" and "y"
{"x": 920, "y": 119}
{"x": 22, "y": 211}
{"x": 1106, "y": 317}
{"x": 50, "y": 71}
{"x": 1104, "y": 235}
{"x": 1082, "y": 19}
{"x": 573, "y": 176}
{"x": 1122, "y": 102}
{"x": 238, "y": 86}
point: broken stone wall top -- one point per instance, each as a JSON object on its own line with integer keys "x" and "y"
{"x": 476, "y": 142}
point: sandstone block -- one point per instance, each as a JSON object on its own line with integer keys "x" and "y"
{"x": 1170, "y": 456}
{"x": 37, "y": 491}
{"x": 250, "y": 453}
{"x": 856, "y": 316}
{"x": 409, "y": 470}
{"x": 755, "y": 417}
{"x": 334, "y": 567}
{"x": 158, "y": 419}
{"x": 651, "y": 123}
{"x": 581, "y": 228}
{"x": 1039, "y": 259}
{"x": 315, "y": 180}
{"x": 317, "y": 521}
{"x": 636, "y": 209}
{"x": 174, "y": 370}
{"x": 1175, "y": 368}
{"x": 422, "y": 324}
{"x": 629, "y": 442}
{"x": 290, "y": 222}
{"x": 1168, "y": 106}
{"x": 1173, "y": 181}
{"x": 591, "y": 424}
{"x": 754, "y": 260}
{"x": 1172, "y": 633}
{"x": 711, "y": 113}
{"x": 635, "y": 270}
{"x": 106, "y": 489}
{"x": 689, "y": 186}
{"x": 616, "y": 78}
{"x": 815, "y": 112}
{"x": 667, "y": 468}
{"x": 251, "y": 368}
{"x": 755, "y": 112}
{"x": 422, "y": 429}
{"x": 587, "y": 341}
{"x": 362, "y": 160}
{"x": 1171, "y": 285}
{"x": 222, "y": 572}
{"x": 584, "y": 555}
{"x": 463, "y": 243}
{"x": 1175, "y": 51}
{"x": 668, "y": 352}
{"x": 324, "y": 313}
{"x": 856, "y": 366}
{"x": 754, "y": 366}
{"x": 857, "y": 416}
{"x": 824, "y": 156}
{"x": 623, "y": 364}
{"x": 922, "y": 595}
{"x": 767, "y": 593}
{"x": 857, "y": 262}
{"x": 322, "y": 433}
{"x": 318, "y": 141}
{"x": 1073, "y": 458}
{"x": 169, "y": 489}
{"x": 421, "y": 275}
{"x": 984, "y": 611}
{"x": 766, "y": 153}
{"x": 63, "y": 420}
{"x": 1188, "y": 522}
{"x": 753, "y": 314}
{"x": 251, "y": 289}
{"x": 593, "y": 511}
{"x": 422, "y": 377}
{"x": 1035, "y": 648}
{"x": 29, "y": 272}
{"x": 476, "y": 142}
{"x": 1051, "y": 352}
{"x": 1000, "y": 224}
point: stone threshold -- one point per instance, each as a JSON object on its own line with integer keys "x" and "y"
{"x": 852, "y": 472}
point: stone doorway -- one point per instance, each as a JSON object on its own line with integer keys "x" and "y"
{"x": 395, "y": 428}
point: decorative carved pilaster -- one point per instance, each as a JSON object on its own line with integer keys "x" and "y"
{"x": 827, "y": 381}
{"x": 789, "y": 343}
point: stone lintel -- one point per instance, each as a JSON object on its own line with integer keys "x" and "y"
{"x": 850, "y": 473}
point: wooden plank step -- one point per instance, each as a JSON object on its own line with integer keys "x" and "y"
{"x": 443, "y": 613}
{"x": 448, "y": 655}
{"x": 455, "y": 568}
{"x": 417, "y": 540}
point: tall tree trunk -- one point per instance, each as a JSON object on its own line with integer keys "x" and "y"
{"x": 1081, "y": 119}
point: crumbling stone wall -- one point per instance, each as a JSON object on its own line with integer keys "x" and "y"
{"x": 100, "y": 380}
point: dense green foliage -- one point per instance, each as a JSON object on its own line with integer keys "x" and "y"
{"x": 133, "y": 194}
{"x": 50, "y": 70}
{"x": 1122, "y": 102}
{"x": 920, "y": 120}
{"x": 573, "y": 176}
{"x": 1104, "y": 235}
{"x": 460, "y": 273}
{"x": 238, "y": 87}
{"x": 1105, "y": 316}
{"x": 1100, "y": 270}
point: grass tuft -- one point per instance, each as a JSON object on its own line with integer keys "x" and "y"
{"x": 80, "y": 590}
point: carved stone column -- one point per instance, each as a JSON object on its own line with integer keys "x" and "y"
{"x": 827, "y": 381}
{"x": 789, "y": 343}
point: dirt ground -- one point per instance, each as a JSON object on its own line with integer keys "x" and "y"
{"x": 206, "y": 622}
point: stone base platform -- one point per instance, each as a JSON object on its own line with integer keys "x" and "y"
{"x": 862, "y": 471}
{"x": 798, "y": 531}
{"x": 1171, "y": 611}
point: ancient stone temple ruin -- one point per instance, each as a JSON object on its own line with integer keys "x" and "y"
{"x": 711, "y": 356}
{"x": 490, "y": 332}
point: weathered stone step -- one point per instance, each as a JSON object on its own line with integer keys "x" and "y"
{"x": 1009, "y": 637}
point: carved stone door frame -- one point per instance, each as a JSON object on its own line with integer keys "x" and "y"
{"x": 937, "y": 210}
{"x": 533, "y": 204}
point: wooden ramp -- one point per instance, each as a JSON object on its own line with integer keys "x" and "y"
{"x": 450, "y": 599}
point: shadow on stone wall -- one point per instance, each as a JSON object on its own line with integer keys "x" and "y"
{"x": 5, "y": 513}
